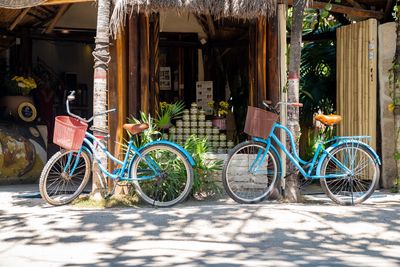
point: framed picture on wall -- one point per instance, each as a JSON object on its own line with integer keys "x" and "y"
{"x": 165, "y": 78}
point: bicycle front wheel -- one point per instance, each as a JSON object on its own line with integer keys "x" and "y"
{"x": 58, "y": 185}
{"x": 162, "y": 175}
{"x": 357, "y": 186}
{"x": 249, "y": 177}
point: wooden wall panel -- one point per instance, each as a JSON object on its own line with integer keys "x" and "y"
{"x": 118, "y": 94}
{"x": 273, "y": 68}
{"x": 144, "y": 41}
{"x": 356, "y": 79}
{"x": 133, "y": 65}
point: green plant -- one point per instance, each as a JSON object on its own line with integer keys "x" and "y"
{"x": 149, "y": 135}
{"x": 205, "y": 169}
{"x": 168, "y": 112}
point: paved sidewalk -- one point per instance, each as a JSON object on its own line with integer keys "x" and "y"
{"x": 209, "y": 233}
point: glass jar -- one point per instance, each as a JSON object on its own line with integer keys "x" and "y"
{"x": 215, "y": 130}
{"x": 202, "y": 123}
{"x": 179, "y": 130}
{"x": 208, "y": 123}
{"x": 186, "y": 117}
{"x": 194, "y": 111}
{"x": 193, "y": 130}
{"x": 179, "y": 123}
{"x": 193, "y": 124}
{"x": 186, "y": 130}
{"x": 222, "y": 137}
{"x": 186, "y": 123}
{"x": 201, "y": 130}
{"x": 230, "y": 144}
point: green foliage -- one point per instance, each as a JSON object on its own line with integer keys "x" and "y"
{"x": 205, "y": 169}
{"x": 314, "y": 19}
{"x": 149, "y": 135}
{"x": 318, "y": 79}
{"x": 169, "y": 112}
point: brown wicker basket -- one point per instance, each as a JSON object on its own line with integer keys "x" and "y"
{"x": 259, "y": 122}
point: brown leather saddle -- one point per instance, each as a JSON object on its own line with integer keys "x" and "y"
{"x": 136, "y": 128}
{"x": 328, "y": 120}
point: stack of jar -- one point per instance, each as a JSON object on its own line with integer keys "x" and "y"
{"x": 194, "y": 123}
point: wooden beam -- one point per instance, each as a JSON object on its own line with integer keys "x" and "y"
{"x": 62, "y": 2}
{"x": 57, "y": 18}
{"x": 350, "y": 11}
{"x": 19, "y": 18}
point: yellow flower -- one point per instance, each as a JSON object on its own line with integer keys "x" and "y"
{"x": 211, "y": 104}
{"x": 163, "y": 105}
{"x": 391, "y": 107}
{"x": 224, "y": 104}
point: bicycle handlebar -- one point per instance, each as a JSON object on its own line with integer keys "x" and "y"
{"x": 71, "y": 97}
{"x": 268, "y": 104}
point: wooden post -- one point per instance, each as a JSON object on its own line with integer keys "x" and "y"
{"x": 144, "y": 62}
{"x": 273, "y": 70}
{"x": 133, "y": 62}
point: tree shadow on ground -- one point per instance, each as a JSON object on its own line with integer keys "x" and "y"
{"x": 212, "y": 235}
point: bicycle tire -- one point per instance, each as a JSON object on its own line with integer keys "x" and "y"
{"x": 176, "y": 179}
{"x": 228, "y": 168}
{"x": 53, "y": 170}
{"x": 350, "y": 190}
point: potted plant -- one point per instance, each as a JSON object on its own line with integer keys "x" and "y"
{"x": 220, "y": 110}
{"x": 169, "y": 112}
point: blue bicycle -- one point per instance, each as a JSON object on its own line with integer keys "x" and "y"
{"x": 348, "y": 169}
{"x": 160, "y": 171}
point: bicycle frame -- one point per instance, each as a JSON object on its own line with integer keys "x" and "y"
{"x": 320, "y": 153}
{"x": 91, "y": 141}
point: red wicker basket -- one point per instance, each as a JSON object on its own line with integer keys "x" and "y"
{"x": 259, "y": 122}
{"x": 69, "y": 132}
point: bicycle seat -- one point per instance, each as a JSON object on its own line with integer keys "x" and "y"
{"x": 328, "y": 120}
{"x": 136, "y": 128}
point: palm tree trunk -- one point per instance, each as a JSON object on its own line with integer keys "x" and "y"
{"x": 101, "y": 60}
{"x": 291, "y": 186}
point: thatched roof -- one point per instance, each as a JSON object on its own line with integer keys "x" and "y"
{"x": 16, "y": 4}
{"x": 246, "y": 9}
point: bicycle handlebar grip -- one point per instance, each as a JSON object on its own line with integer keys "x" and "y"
{"x": 299, "y": 105}
{"x": 71, "y": 96}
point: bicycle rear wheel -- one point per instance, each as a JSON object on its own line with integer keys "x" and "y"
{"x": 246, "y": 178}
{"x": 57, "y": 186}
{"x": 174, "y": 180}
{"x": 357, "y": 187}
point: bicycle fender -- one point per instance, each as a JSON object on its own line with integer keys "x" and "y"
{"x": 329, "y": 149}
{"x": 181, "y": 149}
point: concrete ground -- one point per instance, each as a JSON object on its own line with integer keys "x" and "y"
{"x": 207, "y": 233}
